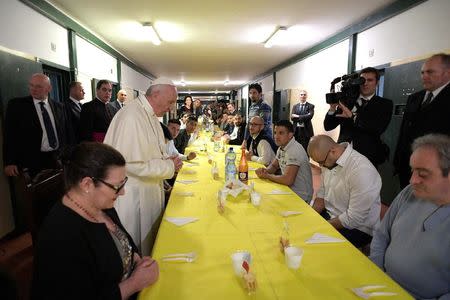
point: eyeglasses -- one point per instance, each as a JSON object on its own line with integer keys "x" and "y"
{"x": 255, "y": 124}
{"x": 116, "y": 188}
{"x": 302, "y": 94}
{"x": 321, "y": 163}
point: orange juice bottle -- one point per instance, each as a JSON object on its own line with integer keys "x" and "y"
{"x": 243, "y": 168}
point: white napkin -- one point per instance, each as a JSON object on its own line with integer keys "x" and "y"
{"x": 185, "y": 194}
{"x": 191, "y": 164}
{"x": 180, "y": 221}
{"x": 367, "y": 291}
{"x": 252, "y": 169}
{"x": 279, "y": 192}
{"x": 288, "y": 213}
{"x": 187, "y": 181}
{"x": 189, "y": 172}
{"x": 319, "y": 238}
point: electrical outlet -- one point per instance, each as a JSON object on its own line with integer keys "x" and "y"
{"x": 53, "y": 47}
{"x": 371, "y": 52}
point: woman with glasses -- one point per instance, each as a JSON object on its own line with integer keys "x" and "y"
{"x": 83, "y": 251}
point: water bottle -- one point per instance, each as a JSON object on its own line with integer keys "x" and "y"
{"x": 230, "y": 165}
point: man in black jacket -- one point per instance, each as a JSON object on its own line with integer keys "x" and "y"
{"x": 426, "y": 111}
{"x": 365, "y": 122}
{"x": 72, "y": 107}
{"x": 182, "y": 140}
{"x": 301, "y": 116}
{"x": 34, "y": 130}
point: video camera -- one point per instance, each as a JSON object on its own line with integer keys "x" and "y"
{"x": 349, "y": 90}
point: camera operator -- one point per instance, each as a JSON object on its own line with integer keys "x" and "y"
{"x": 363, "y": 123}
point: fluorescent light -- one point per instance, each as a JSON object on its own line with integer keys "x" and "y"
{"x": 226, "y": 82}
{"x": 277, "y": 37}
{"x": 150, "y": 31}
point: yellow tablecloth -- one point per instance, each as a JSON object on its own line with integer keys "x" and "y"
{"x": 327, "y": 271}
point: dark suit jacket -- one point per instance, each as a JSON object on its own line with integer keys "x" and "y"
{"x": 417, "y": 122}
{"x": 95, "y": 117}
{"x": 72, "y": 121}
{"x": 115, "y": 105}
{"x": 182, "y": 140}
{"x": 365, "y": 131}
{"x": 304, "y": 118}
{"x": 23, "y": 132}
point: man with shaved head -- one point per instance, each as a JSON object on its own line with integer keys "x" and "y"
{"x": 261, "y": 147}
{"x": 349, "y": 194}
{"x": 34, "y": 130}
{"x": 120, "y": 102}
{"x": 137, "y": 134}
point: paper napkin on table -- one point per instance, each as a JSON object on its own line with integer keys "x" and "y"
{"x": 319, "y": 238}
{"x": 288, "y": 213}
{"x": 252, "y": 169}
{"x": 180, "y": 221}
{"x": 279, "y": 192}
{"x": 187, "y": 181}
{"x": 189, "y": 172}
{"x": 191, "y": 164}
{"x": 185, "y": 194}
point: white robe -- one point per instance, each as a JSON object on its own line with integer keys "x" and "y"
{"x": 136, "y": 132}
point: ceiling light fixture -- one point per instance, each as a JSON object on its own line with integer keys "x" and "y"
{"x": 183, "y": 83}
{"x": 276, "y": 36}
{"x": 151, "y": 33}
{"x": 226, "y": 82}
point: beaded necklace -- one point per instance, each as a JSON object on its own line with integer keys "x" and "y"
{"x": 120, "y": 239}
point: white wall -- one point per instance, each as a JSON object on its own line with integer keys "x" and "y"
{"x": 420, "y": 31}
{"x": 132, "y": 79}
{"x": 93, "y": 63}
{"x": 25, "y": 30}
{"x": 314, "y": 74}
{"x": 267, "y": 89}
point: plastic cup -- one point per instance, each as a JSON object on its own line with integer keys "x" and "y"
{"x": 255, "y": 198}
{"x": 238, "y": 258}
{"x": 293, "y": 257}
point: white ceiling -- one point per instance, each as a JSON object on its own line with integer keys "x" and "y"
{"x": 214, "y": 40}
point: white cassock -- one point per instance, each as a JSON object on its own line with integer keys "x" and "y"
{"x": 136, "y": 132}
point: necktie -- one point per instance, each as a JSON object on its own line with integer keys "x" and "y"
{"x": 48, "y": 126}
{"x": 302, "y": 109}
{"x": 78, "y": 107}
{"x": 428, "y": 99}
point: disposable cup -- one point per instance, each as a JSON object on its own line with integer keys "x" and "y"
{"x": 293, "y": 257}
{"x": 238, "y": 258}
{"x": 255, "y": 198}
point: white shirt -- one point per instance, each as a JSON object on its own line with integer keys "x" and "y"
{"x": 234, "y": 134}
{"x": 265, "y": 152}
{"x": 172, "y": 150}
{"x": 351, "y": 191}
{"x": 45, "y": 146}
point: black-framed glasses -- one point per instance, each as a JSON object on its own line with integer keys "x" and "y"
{"x": 116, "y": 188}
{"x": 321, "y": 163}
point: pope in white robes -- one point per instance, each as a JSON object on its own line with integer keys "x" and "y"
{"x": 136, "y": 133}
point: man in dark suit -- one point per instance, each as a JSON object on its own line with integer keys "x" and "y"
{"x": 72, "y": 107}
{"x": 365, "y": 122}
{"x": 96, "y": 115}
{"x": 120, "y": 102}
{"x": 182, "y": 139}
{"x": 301, "y": 116}
{"x": 34, "y": 130}
{"x": 426, "y": 112}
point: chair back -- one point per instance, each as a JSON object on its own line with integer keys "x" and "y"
{"x": 41, "y": 193}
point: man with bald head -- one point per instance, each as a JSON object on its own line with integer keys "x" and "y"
{"x": 349, "y": 193}
{"x": 261, "y": 147}
{"x": 137, "y": 134}
{"x": 120, "y": 102}
{"x": 426, "y": 111}
{"x": 34, "y": 130}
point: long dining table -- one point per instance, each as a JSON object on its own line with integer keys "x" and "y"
{"x": 327, "y": 270}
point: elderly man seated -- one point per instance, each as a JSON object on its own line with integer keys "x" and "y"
{"x": 260, "y": 146}
{"x": 349, "y": 194}
{"x": 291, "y": 158}
{"x": 412, "y": 244}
